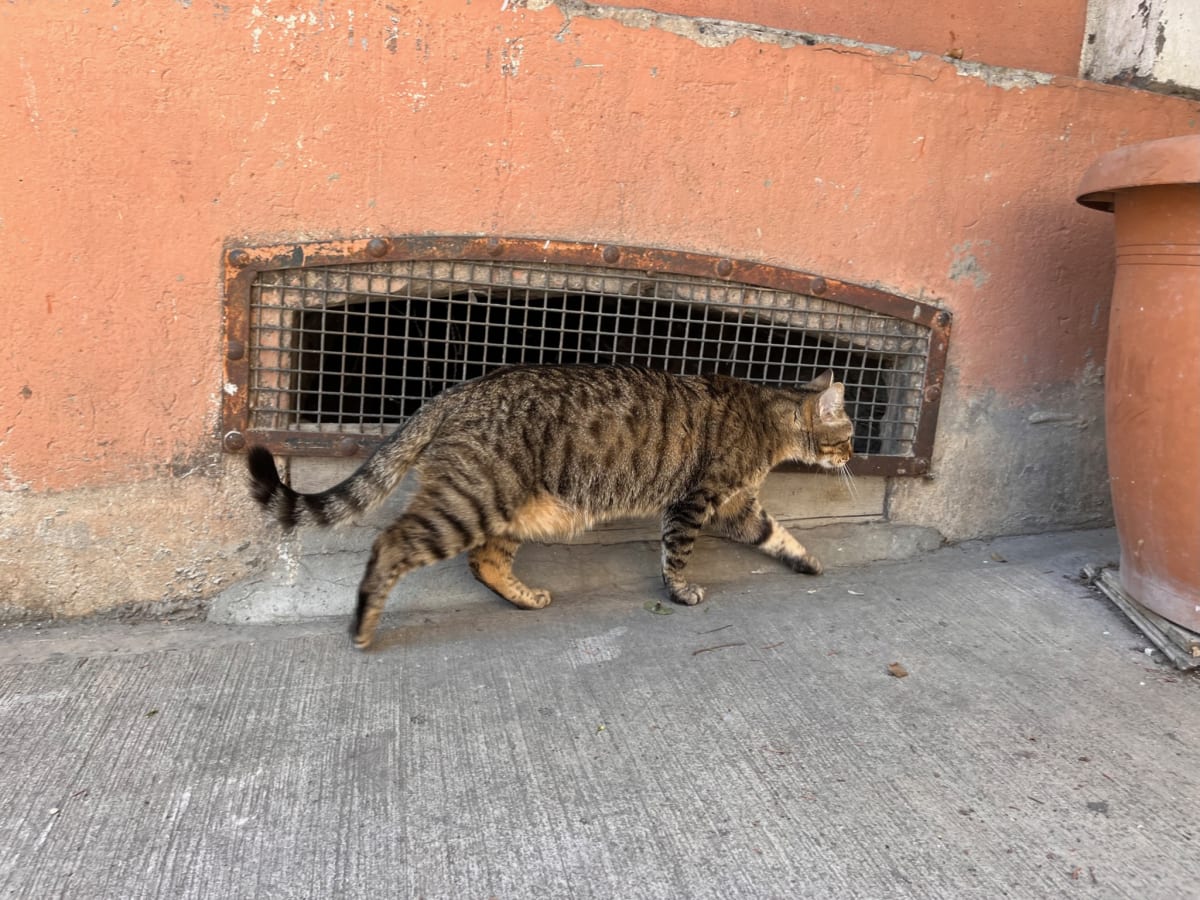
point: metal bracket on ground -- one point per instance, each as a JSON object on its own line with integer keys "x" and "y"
{"x": 1180, "y": 645}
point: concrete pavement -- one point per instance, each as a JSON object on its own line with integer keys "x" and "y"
{"x": 755, "y": 746}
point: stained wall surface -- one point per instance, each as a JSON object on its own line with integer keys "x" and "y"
{"x": 1145, "y": 43}
{"x": 140, "y": 139}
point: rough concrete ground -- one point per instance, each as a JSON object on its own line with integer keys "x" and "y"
{"x": 754, "y": 746}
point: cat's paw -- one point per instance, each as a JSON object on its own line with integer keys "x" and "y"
{"x": 530, "y": 599}
{"x": 358, "y": 639}
{"x": 539, "y": 599}
{"x": 688, "y": 594}
{"x": 362, "y": 629}
{"x": 806, "y": 564}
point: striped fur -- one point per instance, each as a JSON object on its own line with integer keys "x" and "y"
{"x": 537, "y": 452}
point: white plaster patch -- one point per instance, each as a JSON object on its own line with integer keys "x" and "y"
{"x": 999, "y": 76}
{"x": 1151, "y": 40}
{"x": 31, "y": 98}
{"x": 595, "y": 649}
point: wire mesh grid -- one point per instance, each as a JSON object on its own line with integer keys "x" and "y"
{"x": 355, "y": 349}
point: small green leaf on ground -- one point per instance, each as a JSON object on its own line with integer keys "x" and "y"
{"x": 656, "y": 607}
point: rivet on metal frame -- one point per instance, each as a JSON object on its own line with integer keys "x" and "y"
{"x": 234, "y": 440}
{"x": 724, "y": 267}
{"x": 817, "y": 286}
{"x": 611, "y": 254}
{"x": 378, "y": 247}
{"x": 235, "y": 350}
{"x": 239, "y": 258}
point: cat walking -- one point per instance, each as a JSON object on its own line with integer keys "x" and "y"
{"x": 536, "y": 452}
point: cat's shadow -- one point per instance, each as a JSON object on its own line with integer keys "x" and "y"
{"x": 425, "y": 628}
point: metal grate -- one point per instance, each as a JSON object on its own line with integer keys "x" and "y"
{"x": 331, "y": 355}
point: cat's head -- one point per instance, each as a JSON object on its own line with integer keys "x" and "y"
{"x": 826, "y": 431}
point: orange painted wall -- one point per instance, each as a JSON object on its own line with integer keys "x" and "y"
{"x": 138, "y": 139}
{"x": 1042, "y": 35}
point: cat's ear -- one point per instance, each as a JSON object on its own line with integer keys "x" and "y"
{"x": 829, "y": 404}
{"x": 820, "y": 383}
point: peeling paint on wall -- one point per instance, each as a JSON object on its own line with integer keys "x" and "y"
{"x": 510, "y": 57}
{"x": 294, "y": 27}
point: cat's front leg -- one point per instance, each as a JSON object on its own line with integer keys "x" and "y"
{"x": 744, "y": 520}
{"x": 681, "y": 524}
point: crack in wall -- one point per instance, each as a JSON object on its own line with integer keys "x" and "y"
{"x": 719, "y": 33}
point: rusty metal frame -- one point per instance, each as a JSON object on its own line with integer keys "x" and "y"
{"x": 243, "y": 264}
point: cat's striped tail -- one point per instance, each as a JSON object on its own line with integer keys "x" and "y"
{"x": 367, "y": 487}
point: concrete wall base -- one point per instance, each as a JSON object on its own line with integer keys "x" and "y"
{"x": 319, "y": 583}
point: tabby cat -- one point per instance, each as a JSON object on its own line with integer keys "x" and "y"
{"x": 541, "y": 451}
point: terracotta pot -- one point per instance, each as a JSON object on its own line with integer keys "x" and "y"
{"x": 1152, "y": 374}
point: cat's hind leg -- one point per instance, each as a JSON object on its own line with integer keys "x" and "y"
{"x": 743, "y": 519}
{"x": 492, "y": 563}
{"x": 423, "y": 535}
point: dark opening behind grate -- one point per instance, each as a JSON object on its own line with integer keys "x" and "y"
{"x": 351, "y": 350}
{"x": 377, "y": 361}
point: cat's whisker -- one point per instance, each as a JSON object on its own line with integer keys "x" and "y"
{"x": 847, "y": 479}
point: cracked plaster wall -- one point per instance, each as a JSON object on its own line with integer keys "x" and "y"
{"x": 141, "y": 138}
{"x": 981, "y": 31}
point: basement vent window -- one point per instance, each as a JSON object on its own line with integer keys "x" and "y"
{"x": 329, "y": 347}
